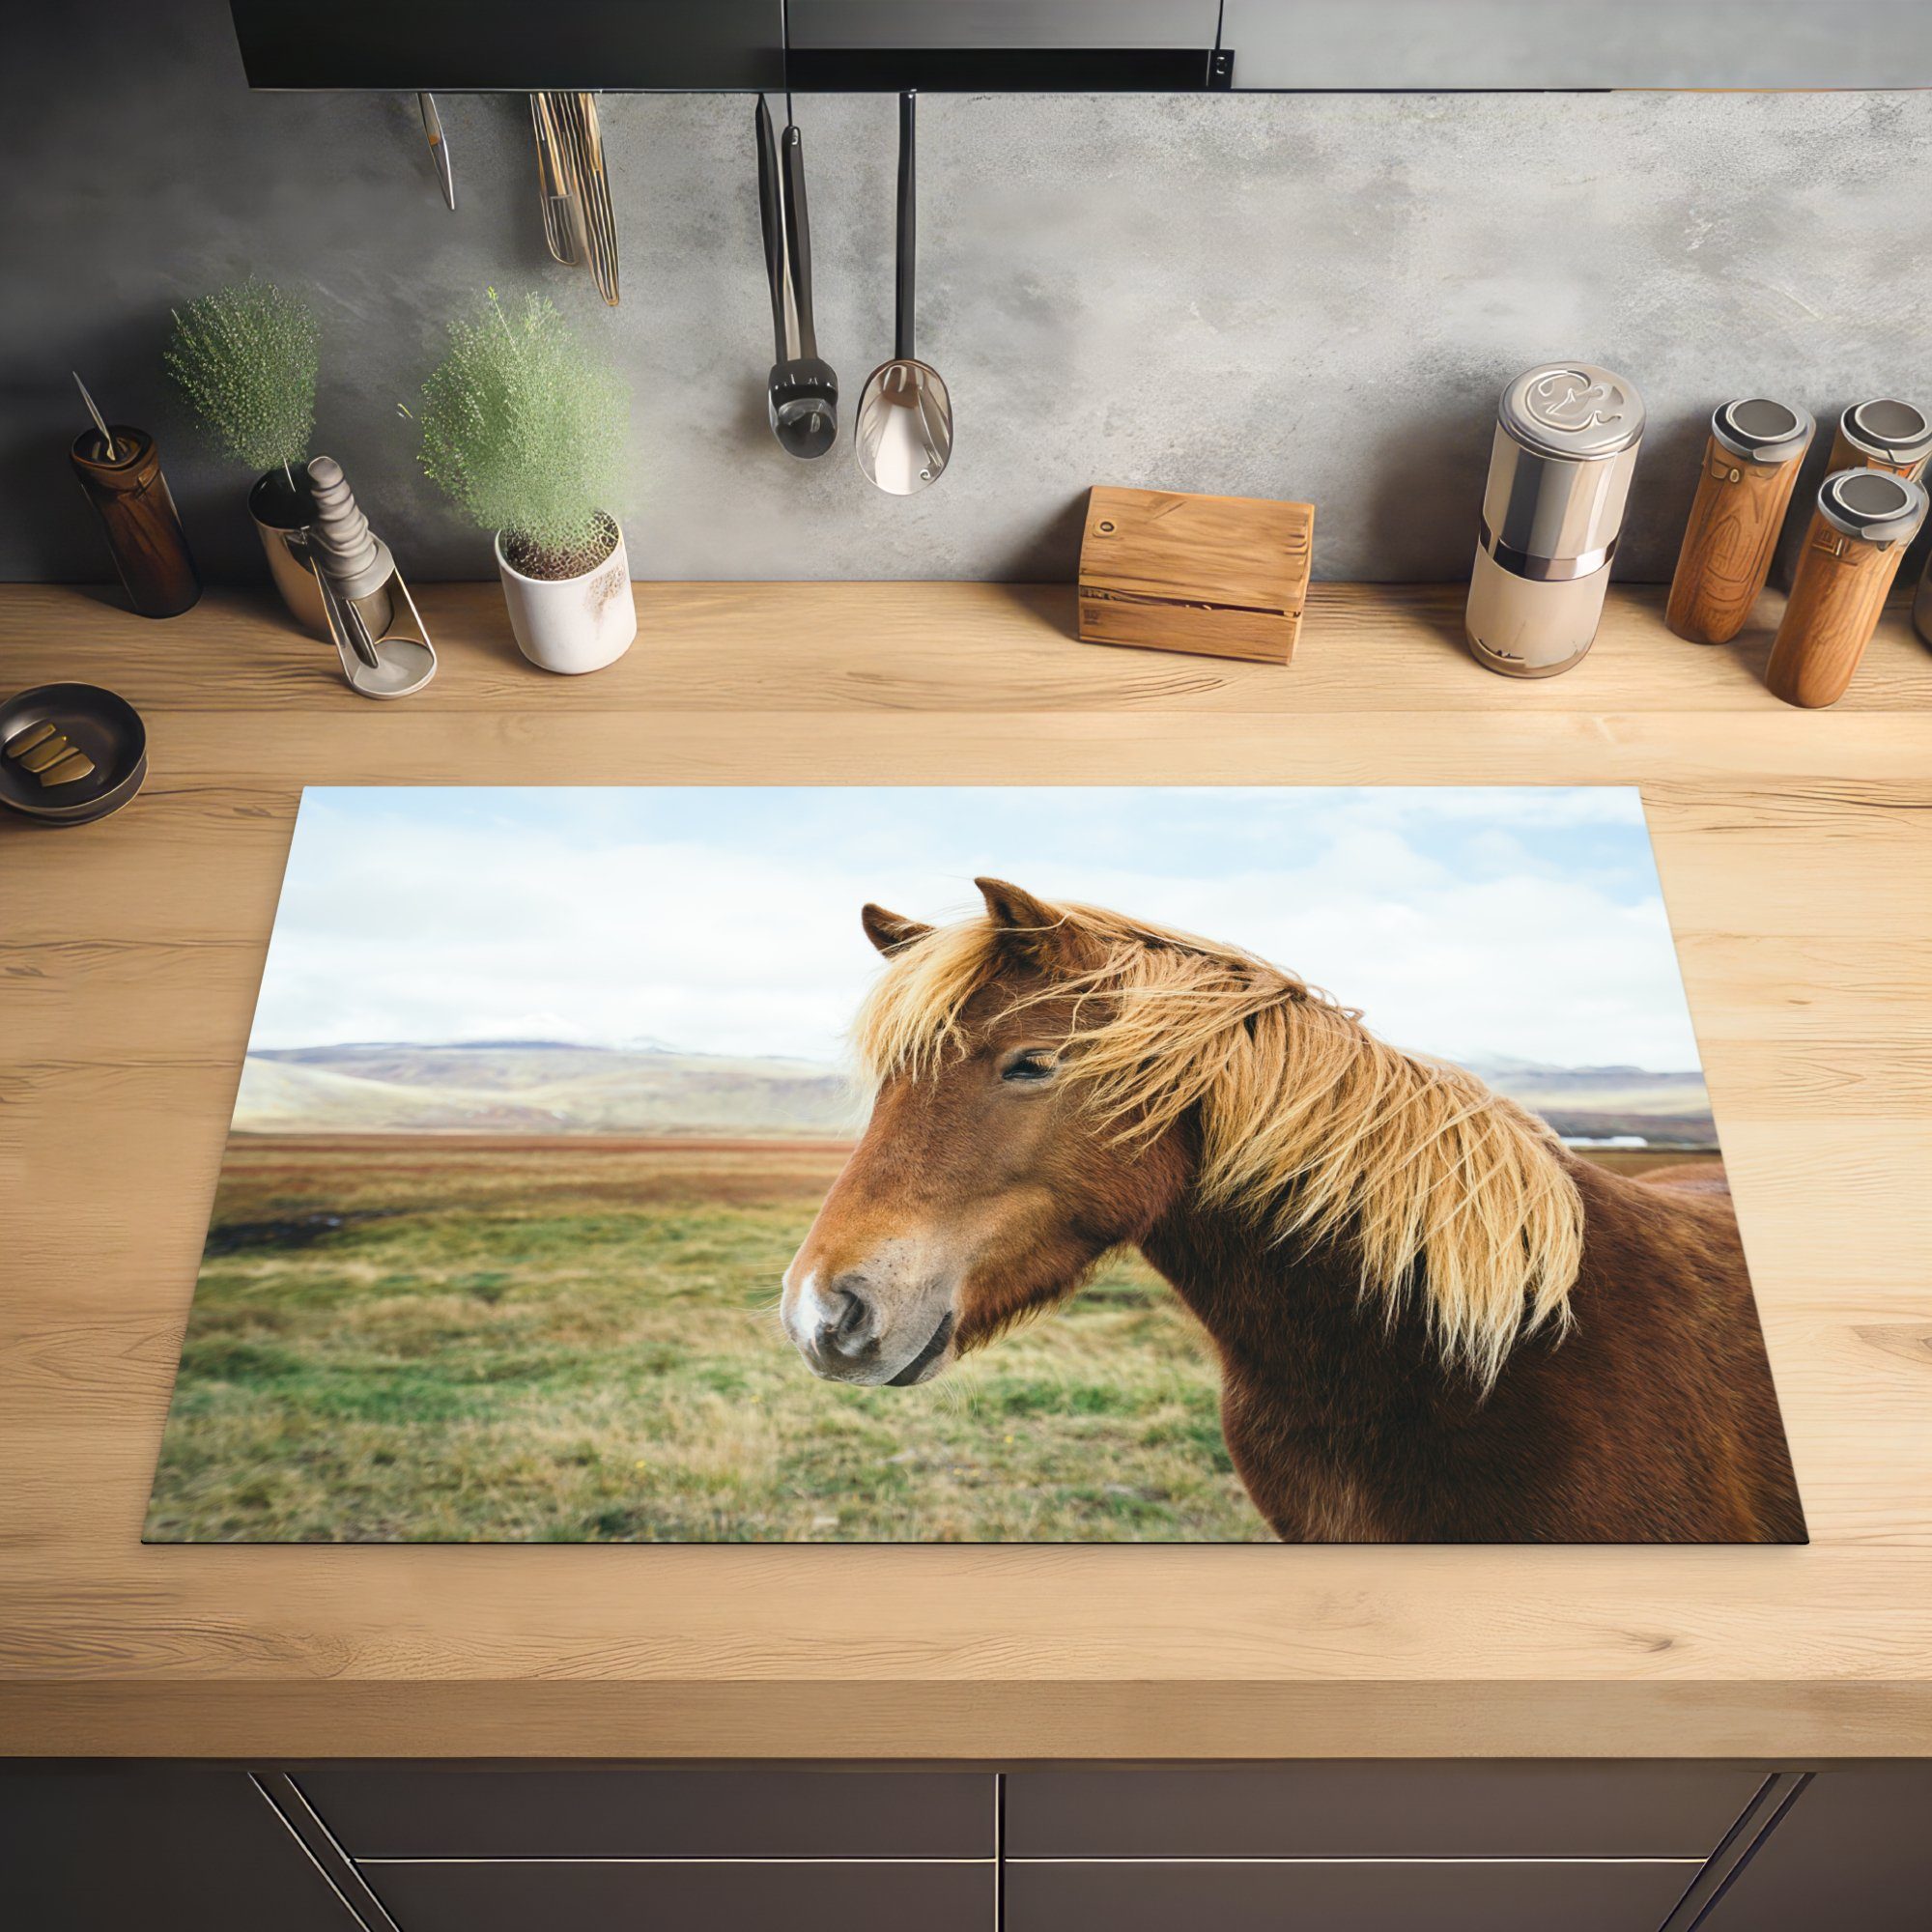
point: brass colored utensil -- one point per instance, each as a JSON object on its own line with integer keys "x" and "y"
{"x": 576, "y": 151}
{"x": 51, "y": 754}
{"x": 593, "y": 189}
{"x": 562, "y": 217}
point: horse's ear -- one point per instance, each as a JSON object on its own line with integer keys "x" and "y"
{"x": 887, "y": 931}
{"x": 1033, "y": 930}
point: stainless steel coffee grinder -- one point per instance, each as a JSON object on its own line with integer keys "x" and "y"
{"x": 1566, "y": 442}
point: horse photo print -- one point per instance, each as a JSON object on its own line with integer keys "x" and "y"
{"x": 989, "y": 1164}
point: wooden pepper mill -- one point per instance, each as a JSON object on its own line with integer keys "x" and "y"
{"x": 1750, "y": 467}
{"x": 122, "y": 476}
{"x": 1883, "y": 434}
{"x": 1864, "y": 522}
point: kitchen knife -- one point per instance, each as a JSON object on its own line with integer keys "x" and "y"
{"x": 438, "y": 148}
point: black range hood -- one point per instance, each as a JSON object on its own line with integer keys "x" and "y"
{"x": 822, "y": 46}
{"x": 1079, "y": 46}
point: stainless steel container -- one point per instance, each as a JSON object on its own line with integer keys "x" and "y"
{"x": 284, "y": 512}
{"x": 1567, "y": 439}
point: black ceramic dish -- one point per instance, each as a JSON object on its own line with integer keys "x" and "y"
{"x": 106, "y": 728}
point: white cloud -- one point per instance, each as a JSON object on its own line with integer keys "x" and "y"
{"x": 1459, "y": 931}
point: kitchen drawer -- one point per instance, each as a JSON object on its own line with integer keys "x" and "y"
{"x": 1500, "y": 1895}
{"x": 410, "y": 1811}
{"x": 1855, "y": 1850}
{"x": 105, "y": 1848}
{"x": 647, "y": 1894}
{"x": 1354, "y": 1810}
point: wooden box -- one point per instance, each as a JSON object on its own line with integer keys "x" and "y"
{"x": 1224, "y": 576}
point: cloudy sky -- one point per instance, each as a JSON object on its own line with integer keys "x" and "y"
{"x": 1522, "y": 921}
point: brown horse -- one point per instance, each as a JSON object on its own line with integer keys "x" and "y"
{"x": 1434, "y": 1323}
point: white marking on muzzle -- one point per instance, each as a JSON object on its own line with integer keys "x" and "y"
{"x": 805, "y": 1310}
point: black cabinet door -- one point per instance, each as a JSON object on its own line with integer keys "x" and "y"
{"x": 663, "y": 1895}
{"x": 1368, "y": 1810}
{"x": 1854, "y": 1851}
{"x": 436, "y": 1812}
{"x": 1390, "y": 1896}
{"x": 154, "y": 1849}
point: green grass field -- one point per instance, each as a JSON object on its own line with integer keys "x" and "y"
{"x": 406, "y": 1339}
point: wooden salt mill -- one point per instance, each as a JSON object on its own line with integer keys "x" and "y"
{"x": 1860, "y": 530}
{"x": 120, "y": 470}
{"x": 1750, "y": 466}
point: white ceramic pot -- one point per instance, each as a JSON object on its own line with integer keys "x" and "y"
{"x": 572, "y": 623}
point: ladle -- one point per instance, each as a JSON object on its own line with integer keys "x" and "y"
{"x": 903, "y": 433}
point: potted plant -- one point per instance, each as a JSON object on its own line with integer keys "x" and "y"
{"x": 525, "y": 428}
{"x": 244, "y": 358}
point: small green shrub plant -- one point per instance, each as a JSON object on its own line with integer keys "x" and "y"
{"x": 523, "y": 427}
{"x": 244, "y": 359}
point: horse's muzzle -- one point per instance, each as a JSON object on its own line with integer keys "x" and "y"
{"x": 849, "y": 1332}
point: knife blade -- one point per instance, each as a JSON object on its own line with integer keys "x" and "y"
{"x": 438, "y": 148}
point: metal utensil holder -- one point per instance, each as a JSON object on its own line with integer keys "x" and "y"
{"x": 379, "y": 637}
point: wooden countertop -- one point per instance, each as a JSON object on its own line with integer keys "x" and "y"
{"x": 1795, "y": 853}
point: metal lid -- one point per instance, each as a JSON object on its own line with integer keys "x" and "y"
{"x": 1873, "y": 504}
{"x": 1893, "y": 431}
{"x": 1762, "y": 431}
{"x": 1572, "y": 411}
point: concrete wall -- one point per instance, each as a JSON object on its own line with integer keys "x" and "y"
{"x": 1269, "y": 294}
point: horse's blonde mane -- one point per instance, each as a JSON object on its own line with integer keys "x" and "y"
{"x": 1309, "y": 1123}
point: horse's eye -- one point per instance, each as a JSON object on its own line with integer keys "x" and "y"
{"x": 1034, "y": 1065}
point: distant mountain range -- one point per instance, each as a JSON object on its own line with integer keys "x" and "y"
{"x": 550, "y": 1087}
{"x": 540, "y": 1087}
{"x": 1608, "y": 1102}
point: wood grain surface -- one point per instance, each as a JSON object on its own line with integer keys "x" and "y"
{"x": 1796, "y": 854}
{"x": 1222, "y": 576}
{"x": 1728, "y": 541}
{"x": 1836, "y": 602}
